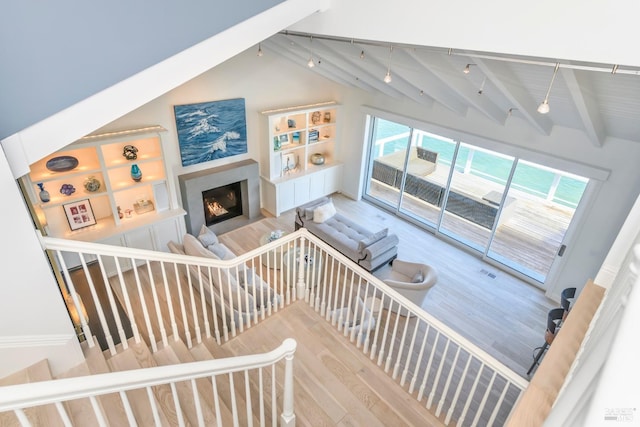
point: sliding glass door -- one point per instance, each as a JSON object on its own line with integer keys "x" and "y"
{"x": 541, "y": 205}
{"x": 475, "y": 194}
{"x": 513, "y": 212}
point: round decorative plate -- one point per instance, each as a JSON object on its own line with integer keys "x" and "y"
{"x": 62, "y": 163}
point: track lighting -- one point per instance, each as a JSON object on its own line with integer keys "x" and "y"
{"x": 387, "y": 77}
{"x": 543, "y": 108}
{"x": 467, "y": 69}
{"x": 260, "y": 49}
{"x": 310, "y": 62}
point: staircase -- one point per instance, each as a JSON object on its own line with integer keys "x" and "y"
{"x": 230, "y": 399}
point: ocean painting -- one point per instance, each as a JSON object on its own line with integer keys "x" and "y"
{"x": 211, "y": 130}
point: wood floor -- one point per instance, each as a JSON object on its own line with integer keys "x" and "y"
{"x": 501, "y": 314}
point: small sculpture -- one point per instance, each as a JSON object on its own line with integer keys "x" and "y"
{"x": 130, "y": 152}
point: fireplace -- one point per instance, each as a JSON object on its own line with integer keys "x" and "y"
{"x": 243, "y": 176}
{"x": 222, "y": 203}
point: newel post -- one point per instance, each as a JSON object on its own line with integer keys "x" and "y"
{"x": 300, "y": 284}
{"x": 288, "y": 417}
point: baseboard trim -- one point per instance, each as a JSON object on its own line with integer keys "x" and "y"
{"x": 34, "y": 340}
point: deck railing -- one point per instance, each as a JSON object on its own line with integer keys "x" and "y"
{"x": 18, "y": 398}
{"x": 193, "y": 296}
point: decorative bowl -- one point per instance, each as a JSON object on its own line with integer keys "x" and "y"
{"x": 317, "y": 159}
{"x": 62, "y": 163}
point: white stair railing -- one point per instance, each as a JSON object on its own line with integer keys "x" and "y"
{"x": 17, "y": 398}
{"x": 454, "y": 378}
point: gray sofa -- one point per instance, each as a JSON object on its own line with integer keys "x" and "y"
{"x": 368, "y": 249}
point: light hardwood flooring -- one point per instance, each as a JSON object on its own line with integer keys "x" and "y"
{"x": 501, "y": 314}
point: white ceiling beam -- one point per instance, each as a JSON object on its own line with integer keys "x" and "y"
{"x": 501, "y": 77}
{"x": 280, "y": 48}
{"x": 586, "y": 106}
{"x": 426, "y": 80}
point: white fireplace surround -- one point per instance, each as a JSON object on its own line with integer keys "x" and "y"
{"x": 193, "y": 184}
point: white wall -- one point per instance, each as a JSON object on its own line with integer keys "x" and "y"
{"x": 595, "y": 31}
{"x": 30, "y": 293}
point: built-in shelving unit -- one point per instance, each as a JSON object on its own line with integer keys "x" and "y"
{"x": 296, "y": 138}
{"x": 119, "y": 204}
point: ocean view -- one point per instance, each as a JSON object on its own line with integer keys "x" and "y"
{"x": 528, "y": 177}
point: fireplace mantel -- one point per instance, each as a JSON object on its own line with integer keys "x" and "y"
{"x": 193, "y": 184}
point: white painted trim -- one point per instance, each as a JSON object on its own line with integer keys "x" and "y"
{"x": 34, "y": 340}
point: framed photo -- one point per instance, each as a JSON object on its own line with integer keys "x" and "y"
{"x": 79, "y": 214}
{"x": 284, "y": 139}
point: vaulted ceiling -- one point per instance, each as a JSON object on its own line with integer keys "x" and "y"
{"x": 602, "y": 100}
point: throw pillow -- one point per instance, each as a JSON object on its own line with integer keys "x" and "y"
{"x": 418, "y": 278}
{"x": 193, "y": 247}
{"x": 206, "y": 236}
{"x": 308, "y": 211}
{"x": 218, "y": 250}
{"x": 323, "y": 213}
{"x": 372, "y": 239}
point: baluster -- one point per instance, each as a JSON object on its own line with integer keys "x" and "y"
{"x": 407, "y": 362}
{"x": 392, "y": 342}
{"x": 214, "y": 310}
{"x": 156, "y": 304}
{"x": 419, "y": 361}
{"x": 127, "y": 407}
{"x": 487, "y": 392}
{"x": 351, "y": 306}
{"x": 143, "y": 303}
{"x": 127, "y": 301}
{"x": 216, "y": 400}
{"x": 396, "y": 367}
{"x": 374, "y": 346}
{"x": 465, "y": 410}
{"x": 499, "y": 403}
{"x": 331, "y": 290}
{"x": 223, "y": 306}
{"x": 448, "y": 382}
{"x": 242, "y": 309}
{"x": 192, "y": 300}
{"x": 436, "y": 380}
{"x": 63, "y": 415}
{"x": 234, "y": 406}
{"x": 429, "y": 363}
{"x": 176, "y": 403}
{"x": 172, "y": 315}
{"x": 385, "y": 333}
{"x": 196, "y": 397}
{"x": 247, "y": 394}
{"x": 344, "y": 290}
{"x": 113, "y": 307}
{"x": 203, "y": 303}
{"x": 96, "y": 302}
{"x": 247, "y": 309}
{"x": 458, "y": 390}
{"x": 358, "y": 307}
{"x": 183, "y": 309}
{"x": 301, "y": 286}
{"x": 274, "y": 402}
{"x": 261, "y": 396}
{"x": 323, "y": 299}
{"x": 97, "y": 410}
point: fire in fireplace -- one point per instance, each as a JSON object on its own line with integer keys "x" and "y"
{"x": 222, "y": 203}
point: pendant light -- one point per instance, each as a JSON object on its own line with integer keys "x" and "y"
{"x": 310, "y": 62}
{"x": 543, "y": 108}
{"x": 260, "y": 49}
{"x": 387, "y": 78}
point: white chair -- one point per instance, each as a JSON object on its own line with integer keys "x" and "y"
{"x": 412, "y": 280}
{"x": 354, "y": 321}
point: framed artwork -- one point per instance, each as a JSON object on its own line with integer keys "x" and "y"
{"x": 284, "y": 139}
{"x": 211, "y": 130}
{"x": 79, "y": 214}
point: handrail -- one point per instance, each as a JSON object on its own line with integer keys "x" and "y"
{"x": 58, "y": 390}
{"x": 418, "y": 352}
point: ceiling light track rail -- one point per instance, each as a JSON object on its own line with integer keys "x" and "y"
{"x": 613, "y": 69}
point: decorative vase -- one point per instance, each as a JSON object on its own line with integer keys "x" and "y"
{"x": 136, "y": 173}
{"x": 44, "y": 194}
{"x": 317, "y": 159}
{"x": 91, "y": 184}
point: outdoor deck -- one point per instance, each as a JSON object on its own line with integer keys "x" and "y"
{"x": 529, "y": 235}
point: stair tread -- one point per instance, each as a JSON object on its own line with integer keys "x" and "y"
{"x": 40, "y": 415}
{"x": 111, "y": 403}
{"x": 168, "y": 356}
{"x": 138, "y": 399}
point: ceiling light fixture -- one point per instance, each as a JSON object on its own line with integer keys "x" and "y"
{"x": 387, "y": 77}
{"x": 510, "y": 111}
{"x": 260, "y": 49}
{"x": 482, "y": 86}
{"x": 543, "y": 108}
{"x": 362, "y": 54}
{"x": 467, "y": 69}
{"x": 310, "y": 62}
